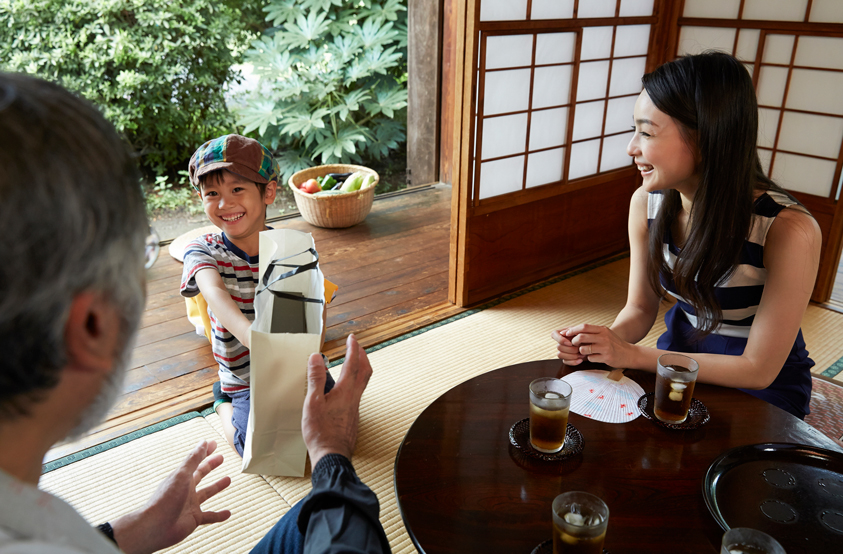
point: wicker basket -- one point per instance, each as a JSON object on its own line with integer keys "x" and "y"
{"x": 333, "y": 211}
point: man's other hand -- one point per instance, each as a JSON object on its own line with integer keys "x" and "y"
{"x": 329, "y": 421}
{"x": 174, "y": 511}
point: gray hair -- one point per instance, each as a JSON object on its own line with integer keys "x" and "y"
{"x": 73, "y": 220}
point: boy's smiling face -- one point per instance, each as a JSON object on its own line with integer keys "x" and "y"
{"x": 236, "y": 205}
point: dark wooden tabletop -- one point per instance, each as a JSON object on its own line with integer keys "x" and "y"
{"x": 462, "y": 488}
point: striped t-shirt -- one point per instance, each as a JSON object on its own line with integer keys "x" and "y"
{"x": 239, "y": 273}
{"x": 739, "y": 295}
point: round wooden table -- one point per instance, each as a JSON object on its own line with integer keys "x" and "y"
{"x": 462, "y": 488}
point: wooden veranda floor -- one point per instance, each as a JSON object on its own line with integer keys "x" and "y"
{"x": 392, "y": 271}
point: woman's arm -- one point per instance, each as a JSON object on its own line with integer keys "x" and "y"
{"x": 225, "y": 309}
{"x": 791, "y": 256}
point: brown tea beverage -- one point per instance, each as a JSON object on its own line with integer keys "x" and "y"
{"x": 550, "y": 399}
{"x": 675, "y": 378}
{"x": 547, "y": 428}
{"x": 673, "y": 397}
{"x": 580, "y": 521}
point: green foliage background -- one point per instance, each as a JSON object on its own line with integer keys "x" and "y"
{"x": 332, "y": 81}
{"x": 156, "y": 68}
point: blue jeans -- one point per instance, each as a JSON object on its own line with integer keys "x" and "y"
{"x": 284, "y": 537}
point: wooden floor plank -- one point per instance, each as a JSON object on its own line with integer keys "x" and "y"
{"x": 392, "y": 272}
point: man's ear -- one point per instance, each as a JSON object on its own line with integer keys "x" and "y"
{"x": 269, "y": 192}
{"x": 92, "y": 333}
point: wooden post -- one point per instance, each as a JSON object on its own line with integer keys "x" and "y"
{"x": 424, "y": 53}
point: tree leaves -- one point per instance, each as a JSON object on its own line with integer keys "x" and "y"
{"x": 332, "y": 80}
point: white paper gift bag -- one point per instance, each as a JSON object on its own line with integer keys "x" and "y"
{"x": 289, "y": 300}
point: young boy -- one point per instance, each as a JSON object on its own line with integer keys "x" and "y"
{"x": 236, "y": 178}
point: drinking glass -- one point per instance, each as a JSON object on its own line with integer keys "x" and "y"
{"x": 579, "y": 523}
{"x": 675, "y": 378}
{"x": 743, "y": 540}
{"x": 549, "y": 402}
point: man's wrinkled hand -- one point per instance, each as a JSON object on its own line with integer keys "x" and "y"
{"x": 329, "y": 421}
{"x": 175, "y": 509}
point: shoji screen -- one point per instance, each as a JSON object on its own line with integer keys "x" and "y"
{"x": 555, "y": 91}
{"x": 794, "y": 51}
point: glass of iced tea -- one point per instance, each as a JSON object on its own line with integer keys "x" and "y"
{"x": 549, "y": 402}
{"x": 742, "y": 540}
{"x": 579, "y": 523}
{"x": 675, "y": 378}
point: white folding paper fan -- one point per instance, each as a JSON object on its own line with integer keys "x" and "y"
{"x": 597, "y": 397}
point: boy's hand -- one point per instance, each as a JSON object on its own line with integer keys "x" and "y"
{"x": 329, "y": 421}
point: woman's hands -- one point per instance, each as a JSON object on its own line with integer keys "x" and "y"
{"x": 594, "y": 343}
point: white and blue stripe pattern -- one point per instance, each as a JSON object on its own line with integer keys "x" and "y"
{"x": 740, "y": 294}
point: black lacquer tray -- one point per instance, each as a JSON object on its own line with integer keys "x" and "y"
{"x": 789, "y": 491}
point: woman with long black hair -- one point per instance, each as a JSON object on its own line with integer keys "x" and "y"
{"x": 738, "y": 253}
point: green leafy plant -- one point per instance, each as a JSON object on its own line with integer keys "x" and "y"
{"x": 332, "y": 81}
{"x": 163, "y": 196}
{"x": 157, "y": 69}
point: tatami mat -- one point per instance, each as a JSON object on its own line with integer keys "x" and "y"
{"x": 409, "y": 373}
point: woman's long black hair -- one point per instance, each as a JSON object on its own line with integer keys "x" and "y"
{"x": 711, "y": 97}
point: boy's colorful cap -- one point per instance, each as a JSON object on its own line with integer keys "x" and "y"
{"x": 241, "y": 155}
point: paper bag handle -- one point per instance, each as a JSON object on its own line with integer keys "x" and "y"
{"x": 295, "y": 271}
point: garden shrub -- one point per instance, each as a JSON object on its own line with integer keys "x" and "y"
{"x": 332, "y": 81}
{"x": 156, "y": 68}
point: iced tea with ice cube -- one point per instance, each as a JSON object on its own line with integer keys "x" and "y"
{"x": 675, "y": 379}
{"x": 580, "y": 520}
{"x": 550, "y": 400}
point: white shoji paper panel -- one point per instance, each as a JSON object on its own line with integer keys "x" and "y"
{"x": 716, "y": 9}
{"x": 545, "y": 167}
{"x": 552, "y": 86}
{"x": 614, "y": 152}
{"x": 501, "y": 176}
{"x": 826, "y": 11}
{"x": 548, "y": 128}
{"x": 636, "y": 7}
{"x": 509, "y": 51}
{"x": 750, "y": 68}
{"x": 619, "y": 114}
{"x": 765, "y": 156}
{"x": 777, "y": 10}
{"x": 802, "y": 174}
{"x": 583, "y": 159}
{"x": 555, "y": 48}
{"x": 552, "y": 9}
{"x": 778, "y": 49}
{"x": 503, "y": 10}
{"x": 592, "y": 81}
{"x": 768, "y": 121}
{"x": 626, "y": 76}
{"x": 816, "y": 91}
{"x": 820, "y": 51}
{"x": 747, "y": 44}
{"x": 596, "y": 43}
{"x": 506, "y": 91}
{"x": 771, "y": 83}
{"x": 505, "y": 135}
{"x": 632, "y": 40}
{"x": 597, "y": 8}
{"x": 693, "y": 40}
{"x": 811, "y": 134}
{"x": 588, "y": 120}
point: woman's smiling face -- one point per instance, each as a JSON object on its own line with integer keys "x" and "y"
{"x": 661, "y": 152}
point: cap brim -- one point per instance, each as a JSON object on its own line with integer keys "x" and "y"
{"x": 233, "y": 167}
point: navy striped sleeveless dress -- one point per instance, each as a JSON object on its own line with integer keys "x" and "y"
{"x": 739, "y": 297}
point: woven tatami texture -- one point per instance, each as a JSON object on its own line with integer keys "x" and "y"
{"x": 120, "y": 480}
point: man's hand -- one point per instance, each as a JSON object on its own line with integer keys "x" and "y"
{"x": 329, "y": 421}
{"x": 174, "y": 511}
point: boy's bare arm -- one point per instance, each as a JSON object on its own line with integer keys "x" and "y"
{"x": 225, "y": 309}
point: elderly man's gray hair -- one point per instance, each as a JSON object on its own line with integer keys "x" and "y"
{"x": 73, "y": 220}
